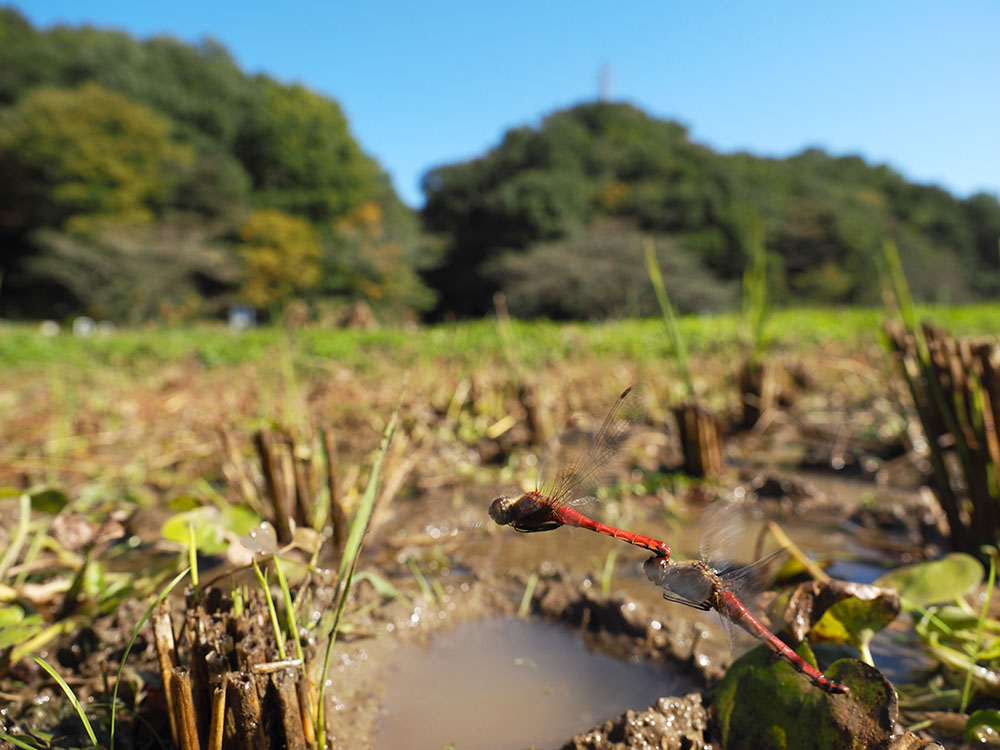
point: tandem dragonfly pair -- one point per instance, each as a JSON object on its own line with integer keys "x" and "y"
{"x": 695, "y": 583}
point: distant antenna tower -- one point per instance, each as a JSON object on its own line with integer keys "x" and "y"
{"x": 604, "y": 83}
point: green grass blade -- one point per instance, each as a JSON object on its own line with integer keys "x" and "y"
{"x": 290, "y": 614}
{"x": 16, "y": 742}
{"x": 904, "y": 301}
{"x": 421, "y": 580}
{"x": 352, "y": 550}
{"x": 69, "y": 694}
{"x": 193, "y": 557}
{"x": 359, "y": 523}
{"x": 755, "y": 292}
{"x": 678, "y": 348}
{"x": 529, "y": 591}
{"x": 20, "y": 534}
{"x": 983, "y": 616}
{"x": 135, "y": 634}
{"x": 279, "y": 637}
{"x": 608, "y": 571}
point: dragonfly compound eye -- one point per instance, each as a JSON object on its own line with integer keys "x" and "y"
{"x": 501, "y": 510}
{"x": 655, "y": 567}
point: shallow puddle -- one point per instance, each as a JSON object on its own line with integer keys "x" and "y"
{"x": 504, "y": 683}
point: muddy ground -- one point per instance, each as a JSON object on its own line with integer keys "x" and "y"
{"x": 834, "y": 465}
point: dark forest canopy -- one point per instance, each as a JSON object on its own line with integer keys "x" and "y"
{"x": 156, "y": 180}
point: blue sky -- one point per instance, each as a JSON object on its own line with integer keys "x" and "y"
{"x": 912, "y": 84}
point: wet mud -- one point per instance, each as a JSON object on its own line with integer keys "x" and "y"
{"x": 845, "y": 497}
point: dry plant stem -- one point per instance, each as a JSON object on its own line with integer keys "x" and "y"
{"x": 198, "y": 670}
{"x": 701, "y": 440}
{"x": 792, "y": 548}
{"x": 275, "y": 487}
{"x": 307, "y": 698}
{"x": 303, "y": 491}
{"x": 337, "y": 514}
{"x": 953, "y": 383}
{"x": 238, "y": 467}
{"x": 904, "y": 344}
{"x": 955, "y": 393}
{"x": 291, "y": 714}
{"x": 184, "y": 702}
{"x": 215, "y": 732}
{"x": 287, "y": 473}
{"x": 458, "y": 399}
{"x": 758, "y": 388}
{"x": 246, "y": 707}
{"x": 988, "y": 369}
{"x": 163, "y": 635}
{"x": 532, "y": 403}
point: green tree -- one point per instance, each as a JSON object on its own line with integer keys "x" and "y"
{"x": 372, "y": 254}
{"x": 300, "y": 156}
{"x": 518, "y": 212}
{"x": 281, "y": 257}
{"x": 69, "y": 158}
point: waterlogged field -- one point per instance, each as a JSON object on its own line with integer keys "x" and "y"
{"x": 129, "y": 456}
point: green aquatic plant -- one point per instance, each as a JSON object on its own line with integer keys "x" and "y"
{"x": 965, "y": 641}
{"x": 763, "y": 705}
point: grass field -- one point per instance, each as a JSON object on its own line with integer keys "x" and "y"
{"x": 21, "y": 345}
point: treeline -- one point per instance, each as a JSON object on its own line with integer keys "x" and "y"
{"x": 554, "y": 216}
{"x": 155, "y": 180}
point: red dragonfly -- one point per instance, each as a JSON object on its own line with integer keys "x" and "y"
{"x": 550, "y": 508}
{"x": 701, "y": 585}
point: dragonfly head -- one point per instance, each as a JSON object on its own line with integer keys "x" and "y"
{"x": 655, "y": 567}
{"x": 502, "y": 510}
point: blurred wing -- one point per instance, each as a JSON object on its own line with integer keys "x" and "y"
{"x": 686, "y": 583}
{"x": 748, "y": 581}
{"x": 723, "y": 525}
{"x": 587, "y": 461}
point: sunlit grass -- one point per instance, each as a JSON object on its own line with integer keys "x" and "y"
{"x": 22, "y": 345}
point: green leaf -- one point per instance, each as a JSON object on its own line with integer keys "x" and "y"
{"x": 941, "y": 580}
{"x": 49, "y": 501}
{"x": 948, "y": 618}
{"x": 239, "y": 519}
{"x": 983, "y": 726}
{"x": 382, "y": 586}
{"x": 208, "y": 529}
{"x": 850, "y": 619}
{"x": 11, "y": 614}
{"x": 764, "y": 704}
{"x": 184, "y": 502}
{"x": 19, "y": 632}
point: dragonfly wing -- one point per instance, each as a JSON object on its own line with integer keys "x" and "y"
{"x": 723, "y": 524}
{"x": 748, "y": 581}
{"x": 586, "y": 461}
{"x": 685, "y": 583}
